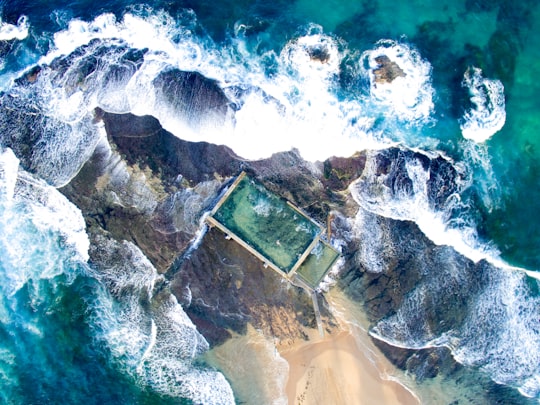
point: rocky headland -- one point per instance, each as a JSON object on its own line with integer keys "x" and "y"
{"x": 137, "y": 183}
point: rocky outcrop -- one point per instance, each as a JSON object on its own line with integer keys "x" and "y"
{"x": 387, "y": 70}
{"x": 142, "y": 141}
{"x": 148, "y": 187}
{"x": 142, "y": 189}
{"x": 193, "y": 98}
{"x": 224, "y": 287}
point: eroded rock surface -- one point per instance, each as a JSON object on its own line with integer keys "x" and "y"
{"x": 387, "y": 70}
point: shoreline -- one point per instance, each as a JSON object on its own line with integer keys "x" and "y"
{"x": 343, "y": 368}
{"x": 335, "y": 370}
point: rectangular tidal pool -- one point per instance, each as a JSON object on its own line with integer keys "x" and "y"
{"x": 270, "y": 225}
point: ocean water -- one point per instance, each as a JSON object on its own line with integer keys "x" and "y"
{"x": 300, "y": 75}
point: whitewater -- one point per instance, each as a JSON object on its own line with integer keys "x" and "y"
{"x": 298, "y": 108}
{"x": 280, "y": 100}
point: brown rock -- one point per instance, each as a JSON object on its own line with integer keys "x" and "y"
{"x": 386, "y": 70}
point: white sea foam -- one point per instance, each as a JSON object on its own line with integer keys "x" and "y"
{"x": 125, "y": 186}
{"x": 315, "y": 57}
{"x": 10, "y": 31}
{"x": 501, "y": 334}
{"x": 414, "y": 205}
{"x": 410, "y": 97}
{"x": 439, "y": 226}
{"x": 63, "y": 134}
{"x": 488, "y": 114}
{"x": 150, "y": 336}
{"x": 9, "y": 167}
{"x": 42, "y": 232}
{"x": 295, "y": 108}
{"x": 372, "y": 255}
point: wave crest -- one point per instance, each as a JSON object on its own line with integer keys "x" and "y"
{"x": 146, "y": 330}
{"x": 488, "y": 115}
{"x": 14, "y": 32}
{"x": 407, "y": 91}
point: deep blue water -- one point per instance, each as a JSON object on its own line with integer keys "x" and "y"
{"x": 57, "y": 317}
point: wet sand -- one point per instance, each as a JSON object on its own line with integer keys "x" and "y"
{"x": 333, "y": 370}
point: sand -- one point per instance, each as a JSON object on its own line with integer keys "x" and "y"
{"x": 342, "y": 368}
{"x": 333, "y": 370}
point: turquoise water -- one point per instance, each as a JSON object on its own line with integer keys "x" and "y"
{"x": 60, "y": 317}
{"x": 49, "y": 347}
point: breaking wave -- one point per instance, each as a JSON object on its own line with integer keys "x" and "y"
{"x": 10, "y": 32}
{"x": 488, "y": 321}
{"x": 466, "y": 298}
{"x": 146, "y": 331}
{"x": 43, "y": 244}
{"x": 145, "y": 64}
{"x": 31, "y": 211}
{"x": 254, "y": 113}
{"x": 412, "y": 189}
{"x": 406, "y": 91}
{"x": 488, "y": 114}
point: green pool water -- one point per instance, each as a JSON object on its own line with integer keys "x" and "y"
{"x": 267, "y": 223}
{"x": 317, "y": 263}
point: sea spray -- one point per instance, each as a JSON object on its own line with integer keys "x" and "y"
{"x": 128, "y": 80}
{"x": 501, "y": 334}
{"x": 487, "y": 114}
{"x": 146, "y": 331}
{"x": 272, "y": 105}
{"x": 424, "y": 188}
{"x": 14, "y": 32}
{"x": 410, "y": 94}
{"x": 41, "y": 207}
{"x": 43, "y": 248}
{"x": 483, "y": 314}
{"x": 37, "y": 133}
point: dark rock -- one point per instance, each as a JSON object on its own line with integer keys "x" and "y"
{"x": 390, "y": 169}
{"x": 339, "y": 172}
{"x": 29, "y": 77}
{"x": 423, "y": 363}
{"x": 141, "y": 140}
{"x": 319, "y": 54}
{"x": 194, "y": 98}
{"x": 387, "y": 70}
{"x": 129, "y": 125}
{"x": 229, "y": 287}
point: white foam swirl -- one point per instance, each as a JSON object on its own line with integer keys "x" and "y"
{"x": 42, "y": 233}
{"x": 409, "y": 95}
{"x": 9, "y": 31}
{"x": 488, "y": 115}
{"x": 149, "y": 335}
{"x": 294, "y": 108}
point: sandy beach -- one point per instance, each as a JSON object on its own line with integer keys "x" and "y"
{"x": 342, "y": 368}
{"x": 333, "y": 370}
